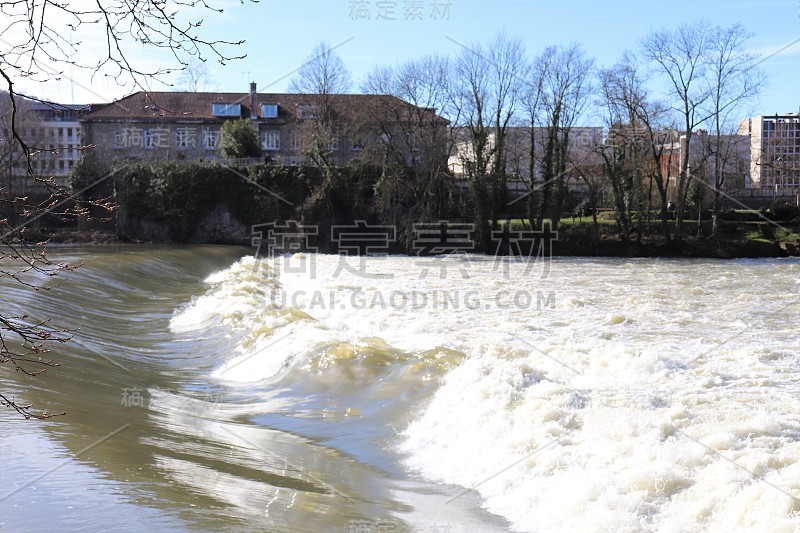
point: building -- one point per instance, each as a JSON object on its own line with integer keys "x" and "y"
{"x": 183, "y": 126}
{"x": 706, "y": 154}
{"x": 583, "y": 157}
{"x": 60, "y": 137}
{"x": 52, "y": 132}
{"x": 774, "y": 153}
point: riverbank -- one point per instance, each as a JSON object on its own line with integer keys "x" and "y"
{"x": 734, "y": 239}
{"x": 744, "y": 240}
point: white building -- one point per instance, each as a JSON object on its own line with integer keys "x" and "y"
{"x": 56, "y": 138}
{"x": 774, "y": 152}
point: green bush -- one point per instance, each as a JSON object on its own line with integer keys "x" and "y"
{"x": 784, "y": 211}
{"x": 180, "y": 195}
{"x": 239, "y": 140}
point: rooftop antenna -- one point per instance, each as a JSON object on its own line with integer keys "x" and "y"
{"x": 248, "y": 74}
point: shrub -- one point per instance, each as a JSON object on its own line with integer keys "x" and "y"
{"x": 784, "y": 211}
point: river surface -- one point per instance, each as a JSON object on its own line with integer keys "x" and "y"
{"x": 210, "y": 391}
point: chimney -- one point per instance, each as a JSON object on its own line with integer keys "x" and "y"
{"x": 253, "y": 112}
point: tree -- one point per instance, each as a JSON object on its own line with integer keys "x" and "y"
{"x": 489, "y": 82}
{"x": 564, "y": 82}
{"x": 681, "y": 56}
{"x": 634, "y": 149}
{"x": 239, "y": 140}
{"x": 38, "y": 36}
{"x": 735, "y": 81}
{"x": 322, "y": 79}
{"x": 322, "y": 73}
{"x": 195, "y": 77}
{"x": 415, "y": 185}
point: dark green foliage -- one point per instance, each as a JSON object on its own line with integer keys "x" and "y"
{"x": 180, "y": 195}
{"x": 584, "y": 208}
{"x": 239, "y": 140}
{"x": 166, "y": 201}
{"x": 784, "y": 211}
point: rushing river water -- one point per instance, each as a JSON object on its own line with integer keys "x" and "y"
{"x": 208, "y": 391}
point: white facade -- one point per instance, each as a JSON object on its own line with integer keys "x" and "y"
{"x": 774, "y": 152}
{"x": 58, "y": 139}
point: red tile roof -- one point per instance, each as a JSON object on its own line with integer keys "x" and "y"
{"x": 171, "y": 106}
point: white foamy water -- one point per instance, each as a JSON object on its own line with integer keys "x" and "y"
{"x": 590, "y": 395}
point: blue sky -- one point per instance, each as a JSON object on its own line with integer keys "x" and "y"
{"x": 279, "y": 34}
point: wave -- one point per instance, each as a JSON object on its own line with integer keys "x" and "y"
{"x": 626, "y": 405}
{"x": 271, "y": 338}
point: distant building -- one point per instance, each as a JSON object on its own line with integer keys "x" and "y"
{"x": 52, "y": 134}
{"x": 732, "y": 151}
{"x": 583, "y": 153}
{"x": 183, "y": 126}
{"x": 58, "y": 139}
{"x": 774, "y": 152}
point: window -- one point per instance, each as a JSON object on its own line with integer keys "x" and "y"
{"x": 333, "y": 144}
{"x": 269, "y": 110}
{"x": 148, "y": 141}
{"x": 226, "y": 110}
{"x": 307, "y": 111}
{"x": 296, "y": 140}
{"x": 211, "y": 139}
{"x": 271, "y": 140}
{"x": 413, "y": 141}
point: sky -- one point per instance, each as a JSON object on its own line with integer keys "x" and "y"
{"x": 280, "y": 34}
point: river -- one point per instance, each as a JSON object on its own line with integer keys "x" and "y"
{"x": 210, "y": 391}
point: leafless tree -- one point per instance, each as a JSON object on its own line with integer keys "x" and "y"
{"x": 566, "y": 88}
{"x": 735, "y": 81}
{"x": 39, "y": 43}
{"x": 415, "y": 140}
{"x": 681, "y": 57}
{"x": 195, "y": 77}
{"x": 636, "y": 149}
{"x": 322, "y": 73}
{"x": 325, "y": 120}
{"x": 489, "y": 84}
{"x": 533, "y": 106}
{"x": 322, "y": 78}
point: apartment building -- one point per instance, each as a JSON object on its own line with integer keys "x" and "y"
{"x": 52, "y": 132}
{"x": 59, "y": 138}
{"x": 774, "y": 152}
{"x": 183, "y": 126}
